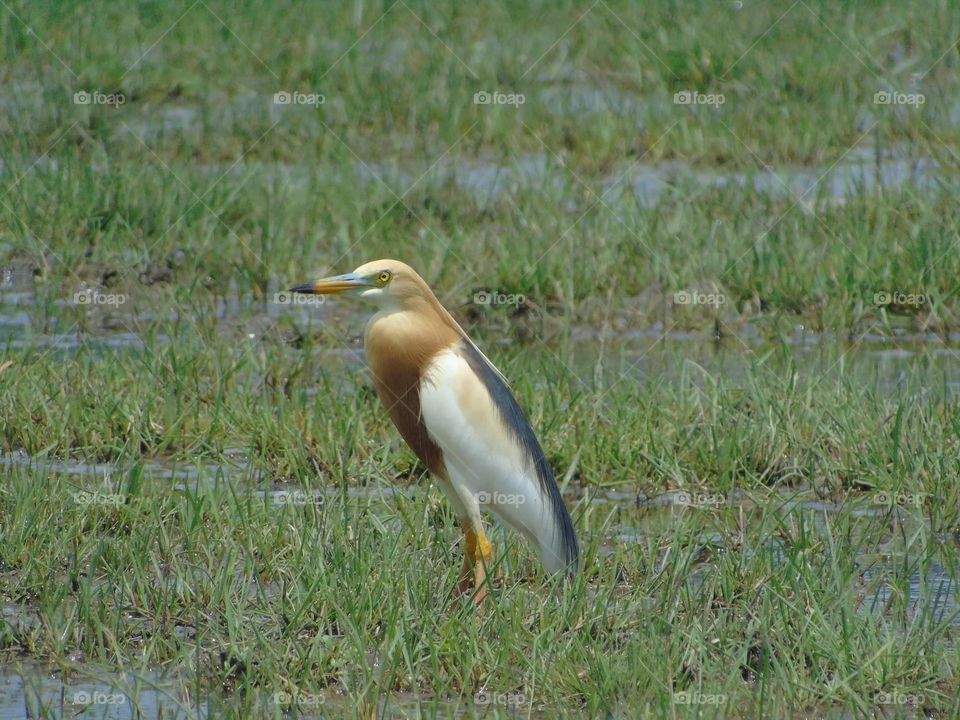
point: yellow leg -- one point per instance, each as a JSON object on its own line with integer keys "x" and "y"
{"x": 477, "y": 557}
{"x": 482, "y": 560}
{"x": 465, "y": 581}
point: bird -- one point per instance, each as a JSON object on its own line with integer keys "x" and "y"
{"x": 455, "y": 410}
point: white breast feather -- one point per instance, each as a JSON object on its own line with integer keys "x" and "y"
{"x": 483, "y": 460}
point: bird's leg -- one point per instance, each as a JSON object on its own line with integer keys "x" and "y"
{"x": 483, "y": 555}
{"x": 465, "y": 581}
{"x": 477, "y": 556}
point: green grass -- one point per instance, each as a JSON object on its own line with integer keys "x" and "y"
{"x": 802, "y": 591}
{"x": 768, "y": 604}
{"x": 772, "y": 615}
{"x": 137, "y": 186}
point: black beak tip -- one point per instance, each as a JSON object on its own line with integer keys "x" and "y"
{"x": 305, "y": 289}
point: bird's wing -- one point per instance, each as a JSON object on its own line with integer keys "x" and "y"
{"x": 487, "y": 360}
{"x": 490, "y": 452}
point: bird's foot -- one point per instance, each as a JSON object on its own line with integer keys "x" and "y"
{"x": 479, "y": 598}
{"x": 464, "y": 587}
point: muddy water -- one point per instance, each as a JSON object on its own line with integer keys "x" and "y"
{"x": 921, "y": 368}
{"x": 187, "y": 476}
{"x": 33, "y": 690}
{"x": 928, "y": 598}
{"x": 638, "y": 518}
{"x": 893, "y": 363}
{"x": 30, "y": 690}
{"x": 889, "y": 578}
{"x": 865, "y": 168}
{"x": 907, "y": 365}
{"x": 862, "y": 171}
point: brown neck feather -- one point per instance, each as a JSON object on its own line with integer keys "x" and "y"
{"x": 400, "y": 345}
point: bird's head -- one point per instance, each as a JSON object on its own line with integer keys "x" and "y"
{"x": 388, "y": 283}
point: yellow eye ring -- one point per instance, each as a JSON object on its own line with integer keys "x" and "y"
{"x": 384, "y": 277}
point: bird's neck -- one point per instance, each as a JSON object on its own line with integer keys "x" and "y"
{"x": 410, "y": 334}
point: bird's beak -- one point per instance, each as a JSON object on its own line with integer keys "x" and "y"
{"x": 334, "y": 285}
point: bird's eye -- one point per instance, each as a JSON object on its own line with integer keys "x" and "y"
{"x": 384, "y": 277}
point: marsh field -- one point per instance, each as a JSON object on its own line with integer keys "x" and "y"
{"x": 714, "y": 247}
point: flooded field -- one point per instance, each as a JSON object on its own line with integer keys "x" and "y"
{"x": 679, "y": 528}
{"x": 867, "y": 168}
{"x": 890, "y": 577}
{"x": 717, "y": 261}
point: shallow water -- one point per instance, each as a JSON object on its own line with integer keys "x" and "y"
{"x": 31, "y": 690}
{"x": 930, "y": 596}
{"x": 863, "y": 169}
{"x": 638, "y": 518}
{"x": 650, "y": 184}
{"x": 904, "y": 361}
{"x": 166, "y": 470}
{"x": 925, "y": 369}
{"x": 34, "y": 690}
{"x": 925, "y": 599}
{"x": 185, "y": 477}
